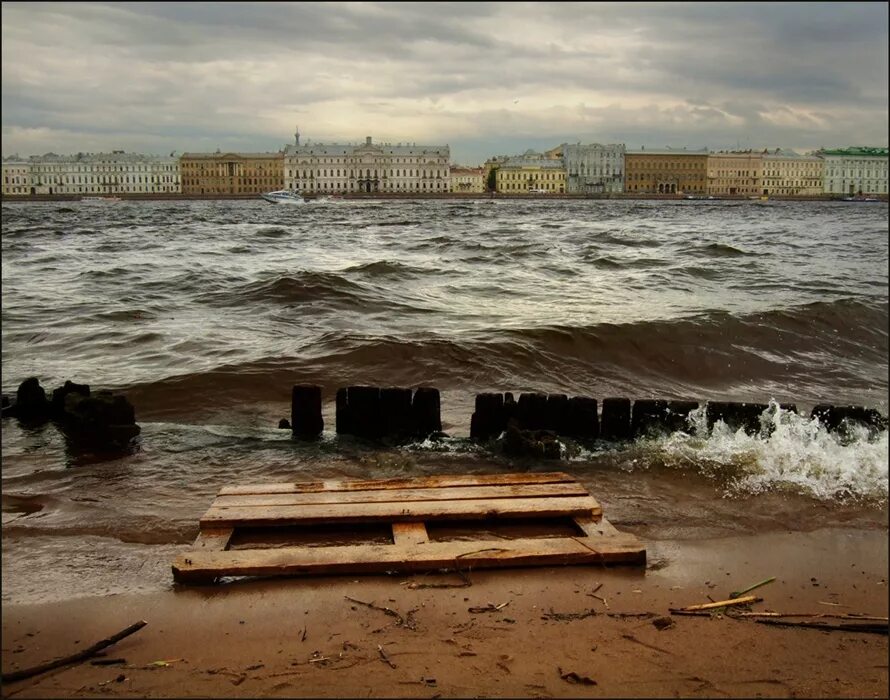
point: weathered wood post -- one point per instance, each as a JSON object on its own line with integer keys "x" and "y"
{"x": 305, "y": 411}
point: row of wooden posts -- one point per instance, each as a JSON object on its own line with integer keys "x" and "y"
{"x": 378, "y": 412}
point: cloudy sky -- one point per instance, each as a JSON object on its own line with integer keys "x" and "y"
{"x": 484, "y": 78}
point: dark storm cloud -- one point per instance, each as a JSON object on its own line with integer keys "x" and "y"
{"x": 182, "y": 75}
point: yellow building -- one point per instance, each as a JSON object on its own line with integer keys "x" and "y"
{"x": 789, "y": 173}
{"x": 666, "y": 171}
{"x": 16, "y": 177}
{"x": 231, "y": 173}
{"x": 531, "y": 175}
{"x": 735, "y": 173}
{"x": 467, "y": 179}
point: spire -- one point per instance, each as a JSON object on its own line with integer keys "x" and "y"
{"x": 297, "y": 135}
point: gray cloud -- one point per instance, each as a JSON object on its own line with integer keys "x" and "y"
{"x": 485, "y": 78}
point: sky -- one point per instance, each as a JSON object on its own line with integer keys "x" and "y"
{"x": 483, "y": 78}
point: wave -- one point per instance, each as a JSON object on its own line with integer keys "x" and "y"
{"x": 820, "y": 352}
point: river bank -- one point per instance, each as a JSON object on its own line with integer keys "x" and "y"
{"x": 582, "y": 631}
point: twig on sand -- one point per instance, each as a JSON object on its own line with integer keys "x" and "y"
{"x": 385, "y": 657}
{"x": 631, "y": 638}
{"x": 408, "y": 623}
{"x": 73, "y": 658}
{"x": 870, "y": 627}
{"x": 720, "y": 604}
{"x": 838, "y": 616}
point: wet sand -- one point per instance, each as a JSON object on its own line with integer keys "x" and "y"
{"x": 545, "y": 636}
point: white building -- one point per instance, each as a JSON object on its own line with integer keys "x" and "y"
{"x": 16, "y": 177}
{"x": 785, "y": 172}
{"x": 102, "y": 173}
{"x": 335, "y": 168}
{"x": 594, "y": 168}
{"x": 855, "y": 170}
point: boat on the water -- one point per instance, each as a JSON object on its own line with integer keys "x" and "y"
{"x": 100, "y": 200}
{"x": 861, "y": 199}
{"x": 283, "y": 197}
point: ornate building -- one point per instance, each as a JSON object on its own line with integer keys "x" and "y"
{"x": 532, "y": 173}
{"x": 594, "y": 168}
{"x": 666, "y": 171}
{"x": 855, "y": 170}
{"x": 329, "y": 168}
{"x": 735, "y": 173}
{"x": 467, "y": 180}
{"x": 789, "y": 173}
{"x": 231, "y": 173}
{"x": 99, "y": 173}
{"x": 16, "y": 177}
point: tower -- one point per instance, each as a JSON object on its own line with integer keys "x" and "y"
{"x": 297, "y": 135}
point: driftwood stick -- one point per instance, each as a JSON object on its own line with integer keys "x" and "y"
{"x": 838, "y": 616}
{"x": 871, "y": 627}
{"x": 73, "y": 658}
{"x": 723, "y": 603}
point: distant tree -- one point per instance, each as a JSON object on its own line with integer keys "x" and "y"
{"x": 492, "y": 179}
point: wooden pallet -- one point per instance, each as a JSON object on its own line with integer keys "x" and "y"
{"x": 408, "y": 509}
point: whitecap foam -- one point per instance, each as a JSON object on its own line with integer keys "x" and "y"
{"x": 791, "y": 452}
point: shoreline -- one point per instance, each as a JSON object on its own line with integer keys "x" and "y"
{"x": 303, "y": 637}
{"x": 386, "y": 196}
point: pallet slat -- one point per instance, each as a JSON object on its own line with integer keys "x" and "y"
{"x": 419, "y": 482}
{"x": 445, "y": 493}
{"x": 205, "y": 566}
{"x": 270, "y": 516}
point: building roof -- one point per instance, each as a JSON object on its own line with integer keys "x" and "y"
{"x": 854, "y": 151}
{"x": 338, "y": 149}
{"x": 668, "y": 151}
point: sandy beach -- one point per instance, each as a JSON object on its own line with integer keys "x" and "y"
{"x": 573, "y": 631}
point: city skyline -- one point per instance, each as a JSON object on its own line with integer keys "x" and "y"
{"x": 484, "y": 78}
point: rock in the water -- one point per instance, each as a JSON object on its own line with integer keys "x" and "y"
{"x": 31, "y": 402}
{"x": 58, "y": 401}
{"x": 103, "y": 421}
{"x": 542, "y": 444}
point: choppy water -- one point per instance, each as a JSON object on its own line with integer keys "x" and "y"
{"x": 205, "y": 313}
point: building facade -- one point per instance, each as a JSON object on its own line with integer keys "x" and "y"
{"x": 594, "y": 168}
{"x": 100, "y": 174}
{"x": 666, "y": 171}
{"x": 16, "y": 177}
{"x": 532, "y": 173}
{"x": 330, "y": 168}
{"x": 231, "y": 173}
{"x": 469, "y": 180}
{"x": 735, "y": 173}
{"x": 788, "y": 173}
{"x": 855, "y": 170}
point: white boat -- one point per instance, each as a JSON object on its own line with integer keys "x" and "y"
{"x": 283, "y": 197}
{"x": 100, "y": 200}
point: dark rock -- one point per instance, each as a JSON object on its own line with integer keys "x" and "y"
{"x": 31, "y": 402}
{"x": 305, "y": 411}
{"x": 663, "y": 623}
{"x": 541, "y": 444}
{"x": 284, "y": 424}
{"x": 615, "y": 420}
{"x": 103, "y": 420}
{"x": 58, "y": 400}
{"x": 425, "y": 410}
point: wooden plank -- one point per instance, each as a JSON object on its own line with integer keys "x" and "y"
{"x": 202, "y": 566}
{"x": 412, "y": 511}
{"x": 445, "y": 493}
{"x": 595, "y": 527}
{"x": 417, "y": 482}
{"x": 409, "y": 533}
{"x": 213, "y": 539}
